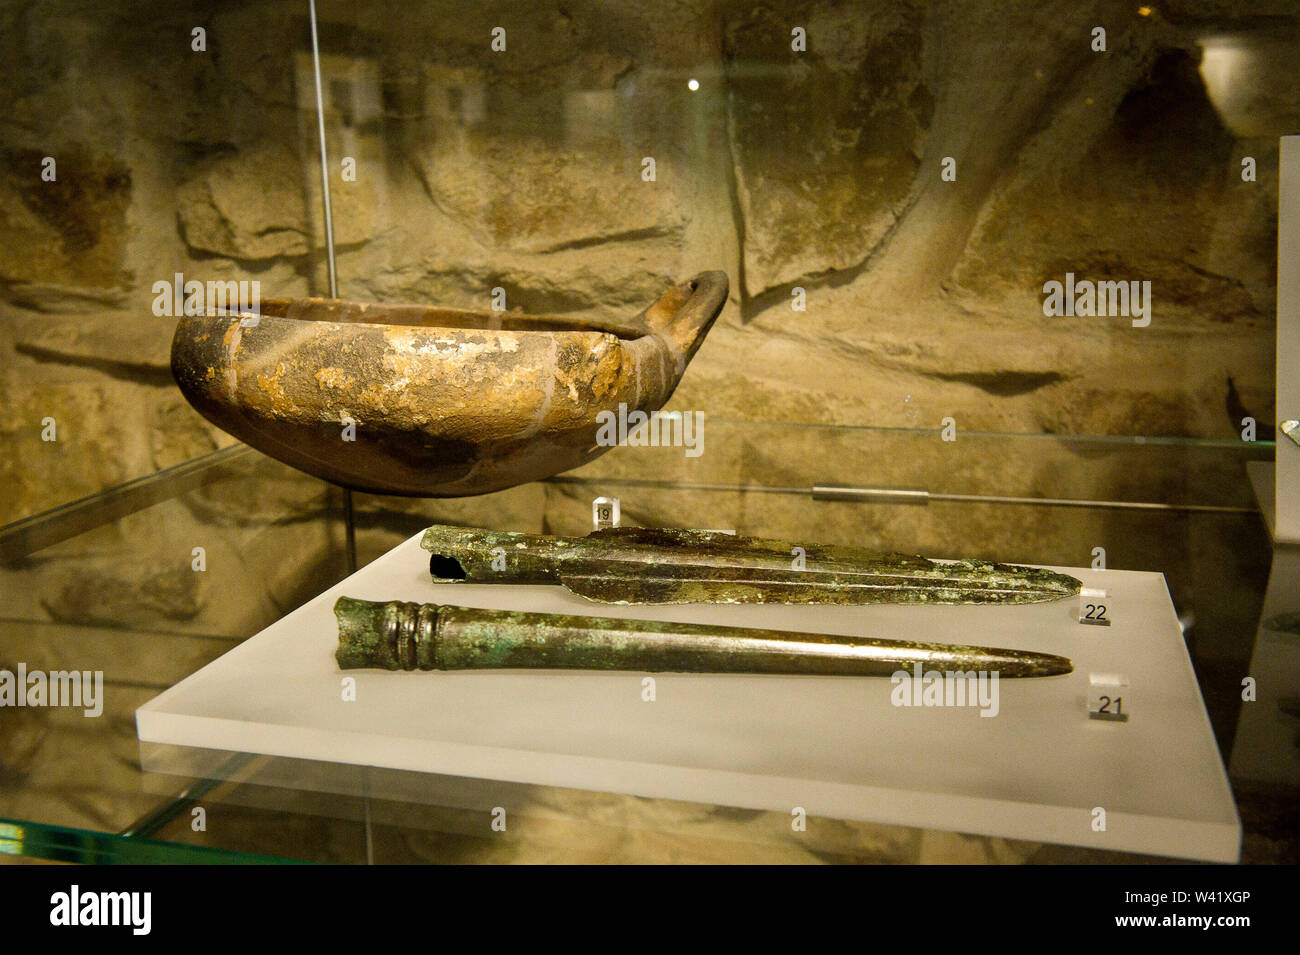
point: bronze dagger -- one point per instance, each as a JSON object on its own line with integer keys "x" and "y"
{"x": 636, "y": 565}
{"x": 397, "y": 635}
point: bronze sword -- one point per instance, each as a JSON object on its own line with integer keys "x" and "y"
{"x": 397, "y": 635}
{"x": 639, "y": 565}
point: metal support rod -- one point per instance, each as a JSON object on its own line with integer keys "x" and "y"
{"x": 898, "y": 495}
{"x": 881, "y": 495}
{"x": 324, "y": 157}
{"x": 911, "y": 495}
{"x": 349, "y": 528}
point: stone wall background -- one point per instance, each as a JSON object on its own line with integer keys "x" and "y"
{"x": 522, "y": 169}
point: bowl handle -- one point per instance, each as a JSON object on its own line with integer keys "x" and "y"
{"x": 684, "y": 314}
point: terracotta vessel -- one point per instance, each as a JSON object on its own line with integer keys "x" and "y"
{"x": 428, "y": 401}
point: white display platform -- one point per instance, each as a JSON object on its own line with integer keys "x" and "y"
{"x": 1265, "y": 745}
{"x": 835, "y": 746}
{"x": 1263, "y": 476}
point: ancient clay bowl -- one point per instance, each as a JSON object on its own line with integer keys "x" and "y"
{"x": 442, "y": 402}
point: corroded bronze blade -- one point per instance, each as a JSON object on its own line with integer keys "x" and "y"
{"x": 408, "y": 636}
{"x": 625, "y": 565}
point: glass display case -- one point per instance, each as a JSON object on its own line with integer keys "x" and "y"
{"x": 110, "y": 584}
{"x": 1002, "y": 285}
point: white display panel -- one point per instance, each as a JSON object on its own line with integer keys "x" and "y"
{"x": 836, "y": 746}
{"x": 1265, "y": 745}
{"x": 1288, "y": 338}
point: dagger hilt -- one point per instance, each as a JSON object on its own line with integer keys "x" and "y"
{"x": 394, "y": 635}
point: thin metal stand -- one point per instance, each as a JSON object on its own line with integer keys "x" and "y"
{"x": 349, "y": 525}
{"x": 324, "y": 158}
{"x": 350, "y": 530}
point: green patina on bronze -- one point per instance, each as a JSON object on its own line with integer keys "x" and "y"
{"x": 633, "y": 565}
{"x": 408, "y": 636}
